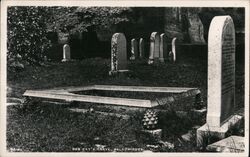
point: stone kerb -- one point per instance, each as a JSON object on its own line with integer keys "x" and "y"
{"x": 118, "y": 53}
{"x": 141, "y": 48}
{"x": 66, "y": 53}
{"x": 221, "y": 79}
{"x": 154, "y": 52}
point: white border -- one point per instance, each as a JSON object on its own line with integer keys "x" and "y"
{"x": 134, "y": 3}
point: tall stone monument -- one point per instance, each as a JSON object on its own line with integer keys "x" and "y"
{"x": 66, "y": 53}
{"x": 221, "y": 79}
{"x": 141, "y": 48}
{"x": 163, "y": 47}
{"x": 134, "y": 49}
{"x": 118, "y": 53}
{"x": 154, "y": 52}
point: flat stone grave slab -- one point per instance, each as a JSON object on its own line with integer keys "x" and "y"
{"x": 132, "y": 96}
{"x": 232, "y": 144}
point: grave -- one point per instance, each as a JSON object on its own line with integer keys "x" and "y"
{"x": 221, "y": 80}
{"x": 141, "y": 48}
{"x": 134, "y": 49}
{"x": 118, "y": 53}
{"x": 154, "y": 52}
{"x": 163, "y": 47}
{"x": 161, "y": 95}
{"x": 66, "y": 53}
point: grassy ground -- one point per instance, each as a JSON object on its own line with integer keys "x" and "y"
{"x": 44, "y": 127}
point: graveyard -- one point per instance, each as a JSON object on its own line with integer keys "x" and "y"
{"x": 148, "y": 95}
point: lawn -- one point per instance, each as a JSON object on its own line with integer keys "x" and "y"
{"x": 44, "y": 127}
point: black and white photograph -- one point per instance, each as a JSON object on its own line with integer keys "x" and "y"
{"x": 124, "y": 77}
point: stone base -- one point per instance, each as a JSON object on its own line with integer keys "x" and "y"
{"x": 161, "y": 60}
{"x": 132, "y": 58}
{"x": 157, "y": 133}
{"x": 232, "y": 144}
{"x": 118, "y": 71}
{"x": 217, "y": 132}
{"x": 65, "y": 60}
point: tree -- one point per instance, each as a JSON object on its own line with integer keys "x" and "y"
{"x": 80, "y": 19}
{"x": 27, "y": 34}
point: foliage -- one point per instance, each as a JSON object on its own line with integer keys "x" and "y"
{"x": 78, "y": 19}
{"x": 27, "y": 35}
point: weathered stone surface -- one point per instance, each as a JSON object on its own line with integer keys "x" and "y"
{"x": 172, "y": 54}
{"x": 154, "y": 53}
{"x": 221, "y": 79}
{"x": 134, "y": 49}
{"x": 118, "y": 52}
{"x": 221, "y": 70}
{"x": 141, "y": 48}
{"x": 66, "y": 53}
{"x": 163, "y": 47}
{"x": 195, "y": 29}
{"x": 232, "y": 144}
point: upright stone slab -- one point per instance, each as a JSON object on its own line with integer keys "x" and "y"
{"x": 172, "y": 54}
{"x": 141, "y": 48}
{"x": 163, "y": 47}
{"x": 134, "y": 49}
{"x": 154, "y": 53}
{"x": 66, "y": 53}
{"x": 118, "y": 53}
{"x": 221, "y": 77}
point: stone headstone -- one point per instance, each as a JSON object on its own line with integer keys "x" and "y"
{"x": 154, "y": 53}
{"x": 163, "y": 47}
{"x": 141, "y": 48}
{"x": 221, "y": 70}
{"x": 134, "y": 49}
{"x": 172, "y": 54}
{"x": 66, "y": 53}
{"x": 221, "y": 78}
{"x": 118, "y": 53}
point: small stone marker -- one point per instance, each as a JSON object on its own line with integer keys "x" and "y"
{"x": 134, "y": 49}
{"x": 66, "y": 53}
{"x": 163, "y": 47}
{"x": 221, "y": 78}
{"x": 141, "y": 48}
{"x": 172, "y": 54}
{"x": 154, "y": 53}
{"x": 118, "y": 53}
{"x": 232, "y": 144}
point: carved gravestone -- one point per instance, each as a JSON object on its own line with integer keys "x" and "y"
{"x": 141, "y": 48}
{"x": 154, "y": 52}
{"x": 66, "y": 53}
{"x": 172, "y": 54}
{"x": 163, "y": 47}
{"x": 118, "y": 53}
{"x": 221, "y": 77}
{"x": 134, "y": 49}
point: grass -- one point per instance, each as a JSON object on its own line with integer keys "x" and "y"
{"x": 53, "y": 128}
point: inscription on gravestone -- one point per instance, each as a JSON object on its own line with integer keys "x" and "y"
{"x": 118, "y": 52}
{"x": 221, "y": 70}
